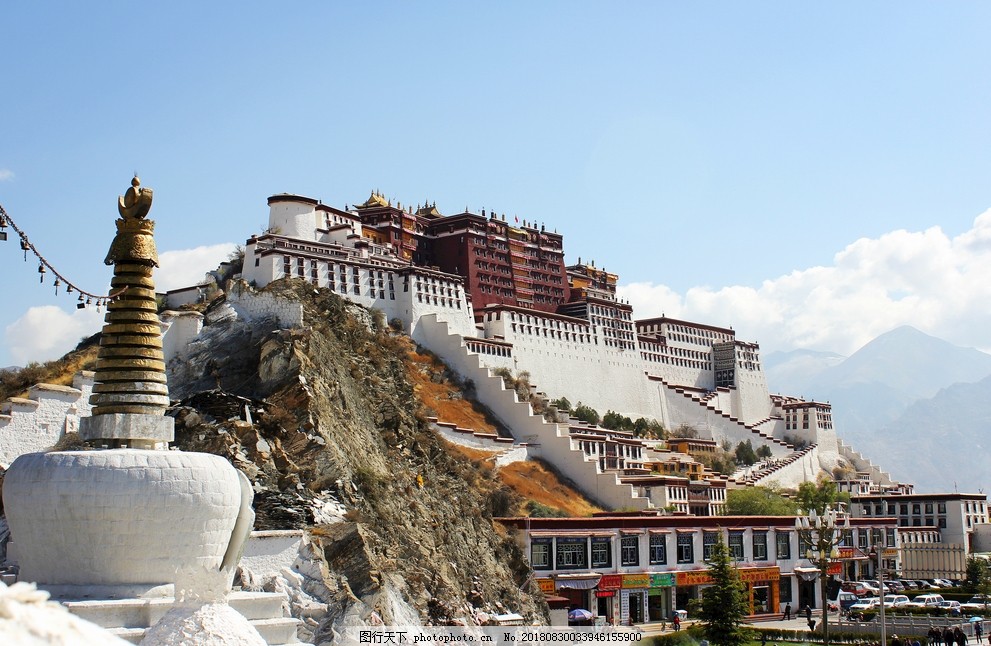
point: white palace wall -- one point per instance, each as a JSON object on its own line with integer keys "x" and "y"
{"x": 602, "y": 377}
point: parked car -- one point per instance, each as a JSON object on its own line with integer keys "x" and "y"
{"x": 895, "y": 600}
{"x": 875, "y": 586}
{"x": 977, "y": 602}
{"x": 843, "y": 600}
{"x": 952, "y": 608}
{"x": 909, "y": 584}
{"x": 926, "y": 601}
{"x": 856, "y": 587}
{"x": 922, "y": 584}
{"x": 895, "y": 586}
{"x": 858, "y": 609}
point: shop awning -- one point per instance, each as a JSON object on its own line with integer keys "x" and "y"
{"x": 806, "y": 573}
{"x": 583, "y": 581}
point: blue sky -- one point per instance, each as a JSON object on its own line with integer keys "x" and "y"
{"x": 810, "y": 174}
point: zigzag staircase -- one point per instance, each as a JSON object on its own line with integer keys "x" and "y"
{"x": 554, "y": 440}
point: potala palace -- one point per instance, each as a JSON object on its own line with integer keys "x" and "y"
{"x": 484, "y": 294}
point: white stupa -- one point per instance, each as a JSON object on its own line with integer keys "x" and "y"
{"x": 131, "y": 518}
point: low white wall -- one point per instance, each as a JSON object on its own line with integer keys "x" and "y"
{"x": 267, "y": 553}
{"x": 179, "y": 330}
{"x": 38, "y": 422}
{"x": 253, "y": 306}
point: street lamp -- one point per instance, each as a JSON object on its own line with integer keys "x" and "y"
{"x": 878, "y": 547}
{"x": 822, "y": 533}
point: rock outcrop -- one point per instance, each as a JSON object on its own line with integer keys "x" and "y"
{"x": 324, "y": 418}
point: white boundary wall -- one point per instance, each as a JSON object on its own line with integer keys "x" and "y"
{"x": 38, "y": 422}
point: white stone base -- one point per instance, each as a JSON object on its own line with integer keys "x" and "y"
{"x": 153, "y": 429}
{"x": 122, "y": 518}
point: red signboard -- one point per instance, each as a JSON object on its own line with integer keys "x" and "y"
{"x": 611, "y": 582}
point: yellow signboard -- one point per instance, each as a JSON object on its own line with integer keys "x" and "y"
{"x": 636, "y": 580}
{"x": 546, "y": 585}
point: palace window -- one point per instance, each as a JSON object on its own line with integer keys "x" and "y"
{"x": 686, "y": 552}
{"x": 630, "y": 550}
{"x": 709, "y": 539}
{"x": 736, "y": 545}
{"x": 540, "y": 554}
{"x": 658, "y": 549}
{"x": 760, "y": 546}
{"x": 601, "y": 552}
{"x": 572, "y": 553}
{"x": 783, "y": 545}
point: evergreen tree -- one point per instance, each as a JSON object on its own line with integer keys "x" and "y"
{"x": 586, "y": 413}
{"x": 724, "y": 603}
{"x": 745, "y": 453}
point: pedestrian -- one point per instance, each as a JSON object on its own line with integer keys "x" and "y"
{"x": 960, "y": 636}
{"x": 787, "y": 612}
{"x": 895, "y": 641}
{"x": 812, "y": 624}
{"x": 676, "y": 622}
{"x": 934, "y": 637}
{"x": 763, "y": 639}
{"x": 808, "y": 612}
{"x": 978, "y": 631}
{"x": 947, "y": 636}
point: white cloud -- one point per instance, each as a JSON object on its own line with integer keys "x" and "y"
{"x": 924, "y": 279}
{"x": 6, "y": 174}
{"x": 48, "y": 332}
{"x": 187, "y": 267}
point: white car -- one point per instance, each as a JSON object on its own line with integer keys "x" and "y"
{"x": 977, "y": 602}
{"x": 927, "y": 601}
{"x": 865, "y": 604}
{"x": 895, "y": 600}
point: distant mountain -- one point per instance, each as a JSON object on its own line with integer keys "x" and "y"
{"x": 941, "y": 444}
{"x": 791, "y": 372}
{"x": 877, "y": 383}
{"x": 910, "y": 362}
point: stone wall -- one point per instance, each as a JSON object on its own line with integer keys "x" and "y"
{"x": 39, "y": 421}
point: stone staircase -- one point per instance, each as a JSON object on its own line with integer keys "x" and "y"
{"x": 705, "y": 399}
{"x": 130, "y": 618}
{"x": 550, "y": 441}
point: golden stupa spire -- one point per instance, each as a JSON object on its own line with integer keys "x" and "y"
{"x": 130, "y": 370}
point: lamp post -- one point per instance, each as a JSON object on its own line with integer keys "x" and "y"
{"x": 879, "y": 548}
{"x": 822, "y": 533}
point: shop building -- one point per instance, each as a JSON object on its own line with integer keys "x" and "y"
{"x": 641, "y": 567}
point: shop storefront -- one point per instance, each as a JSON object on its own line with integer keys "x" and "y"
{"x": 607, "y": 596}
{"x": 578, "y": 589}
{"x": 761, "y": 584}
{"x": 633, "y": 598}
{"x": 659, "y": 597}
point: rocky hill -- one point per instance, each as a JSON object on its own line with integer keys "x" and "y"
{"x": 327, "y": 424}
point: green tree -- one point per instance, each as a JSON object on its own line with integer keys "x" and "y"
{"x": 745, "y": 453}
{"x": 586, "y": 413}
{"x": 978, "y": 576}
{"x": 616, "y": 422}
{"x": 648, "y": 428}
{"x": 759, "y": 501}
{"x": 724, "y": 604}
{"x": 561, "y": 404}
{"x": 819, "y": 495}
{"x": 763, "y": 451}
{"x": 685, "y": 431}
